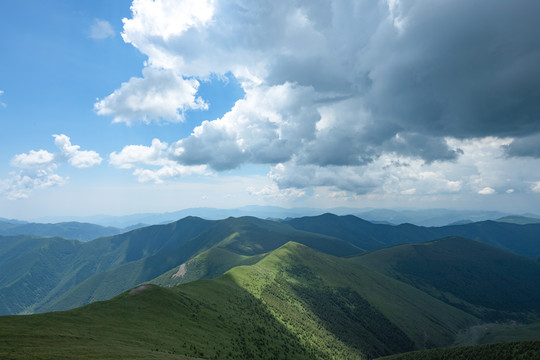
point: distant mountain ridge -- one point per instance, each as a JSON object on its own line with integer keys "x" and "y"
{"x": 431, "y": 217}
{"x": 519, "y": 239}
{"x": 67, "y": 230}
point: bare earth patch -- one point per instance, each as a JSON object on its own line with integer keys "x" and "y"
{"x": 181, "y": 270}
{"x": 139, "y": 289}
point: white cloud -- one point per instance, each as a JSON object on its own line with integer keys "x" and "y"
{"x": 38, "y": 168}
{"x": 2, "y": 104}
{"x": 160, "y": 95}
{"x": 76, "y": 157}
{"x": 133, "y": 155}
{"x": 486, "y": 191}
{"x": 101, "y": 29}
{"x": 33, "y": 159}
{"x": 171, "y": 170}
{"x": 410, "y": 191}
{"x": 267, "y": 126}
{"x": 273, "y": 192}
{"x": 536, "y": 187}
{"x": 155, "y": 156}
{"x": 164, "y": 19}
{"x": 21, "y": 184}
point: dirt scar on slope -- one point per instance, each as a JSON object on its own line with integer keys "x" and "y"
{"x": 181, "y": 270}
{"x": 139, "y": 289}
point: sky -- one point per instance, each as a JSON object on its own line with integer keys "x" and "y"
{"x": 119, "y": 107}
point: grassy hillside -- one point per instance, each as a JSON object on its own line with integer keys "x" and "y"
{"x": 295, "y": 303}
{"x": 524, "y": 350}
{"x": 35, "y": 271}
{"x": 498, "y": 332}
{"x": 236, "y": 237}
{"x": 207, "y": 265}
{"x": 480, "y": 279}
{"x": 218, "y": 321}
{"x": 304, "y": 288}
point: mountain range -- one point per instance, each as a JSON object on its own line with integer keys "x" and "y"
{"x": 321, "y": 287}
{"x": 420, "y": 217}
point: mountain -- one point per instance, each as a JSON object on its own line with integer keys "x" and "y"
{"x": 521, "y": 220}
{"x": 67, "y": 230}
{"x": 519, "y": 239}
{"x": 35, "y": 271}
{"x": 490, "y": 283}
{"x": 237, "y": 237}
{"x": 293, "y": 303}
{"x": 55, "y": 274}
{"x": 12, "y": 221}
{"x": 420, "y": 217}
{"x": 428, "y": 217}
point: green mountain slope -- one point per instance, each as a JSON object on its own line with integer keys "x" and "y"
{"x": 489, "y": 282}
{"x": 524, "y": 350}
{"x": 519, "y": 239}
{"x": 304, "y": 288}
{"x": 240, "y": 237}
{"x": 35, "y": 271}
{"x": 295, "y": 303}
{"x": 67, "y": 230}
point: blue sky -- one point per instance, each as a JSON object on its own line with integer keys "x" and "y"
{"x": 119, "y": 107}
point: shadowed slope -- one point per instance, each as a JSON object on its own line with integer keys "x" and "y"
{"x": 483, "y": 280}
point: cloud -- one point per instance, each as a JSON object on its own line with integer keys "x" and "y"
{"x": 21, "y": 184}
{"x": 536, "y": 187}
{"x": 528, "y": 146}
{"x": 267, "y": 126}
{"x": 33, "y": 159}
{"x": 75, "y": 157}
{"x": 273, "y": 192}
{"x": 133, "y": 155}
{"x": 486, "y": 191}
{"x": 101, "y": 29}
{"x": 160, "y": 95}
{"x": 359, "y": 96}
{"x": 38, "y": 168}
{"x": 155, "y": 156}
{"x": 2, "y": 104}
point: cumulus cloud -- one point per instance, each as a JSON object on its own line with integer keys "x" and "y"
{"x": 267, "y": 126}
{"x": 273, "y": 192}
{"x": 159, "y": 95}
{"x": 101, "y": 29}
{"x": 486, "y": 191}
{"x": 75, "y": 157}
{"x": 33, "y": 159}
{"x": 361, "y": 96}
{"x": 38, "y": 168}
{"x": 151, "y": 163}
{"x": 21, "y": 184}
